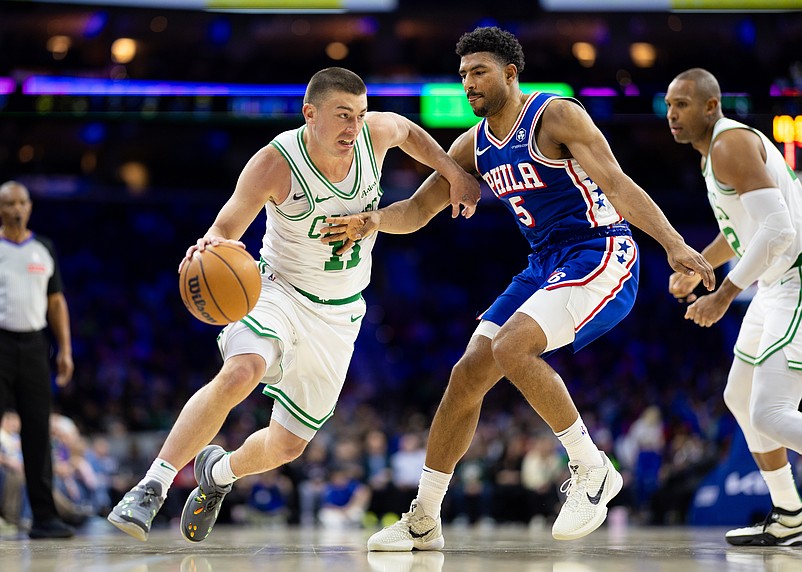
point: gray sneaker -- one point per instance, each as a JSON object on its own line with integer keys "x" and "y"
{"x": 134, "y": 513}
{"x": 203, "y": 505}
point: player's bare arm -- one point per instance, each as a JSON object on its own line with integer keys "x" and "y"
{"x": 266, "y": 177}
{"x": 408, "y": 215}
{"x": 739, "y": 160}
{"x": 394, "y": 130}
{"x": 565, "y": 123}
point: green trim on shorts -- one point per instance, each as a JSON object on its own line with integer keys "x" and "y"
{"x": 784, "y": 340}
{"x": 259, "y": 329}
{"x": 330, "y": 302}
{"x": 302, "y": 416}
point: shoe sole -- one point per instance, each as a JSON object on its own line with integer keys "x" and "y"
{"x": 190, "y": 499}
{"x": 129, "y": 528}
{"x": 436, "y": 544}
{"x": 602, "y": 515}
{"x": 763, "y": 540}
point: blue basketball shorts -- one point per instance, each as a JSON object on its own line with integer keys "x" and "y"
{"x": 575, "y": 292}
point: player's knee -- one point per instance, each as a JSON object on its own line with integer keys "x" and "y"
{"x": 287, "y": 450}
{"x": 509, "y": 348}
{"x": 734, "y": 400}
{"x": 766, "y": 418}
{"x": 472, "y": 377}
{"x": 239, "y": 376}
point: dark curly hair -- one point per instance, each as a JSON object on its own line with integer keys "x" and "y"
{"x": 503, "y": 45}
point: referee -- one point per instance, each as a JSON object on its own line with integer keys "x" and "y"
{"x": 30, "y": 298}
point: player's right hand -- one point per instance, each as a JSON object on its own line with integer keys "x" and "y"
{"x": 201, "y": 244}
{"x": 681, "y": 286}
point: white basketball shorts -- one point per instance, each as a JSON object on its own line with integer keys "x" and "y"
{"x": 315, "y": 341}
{"x": 772, "y": 322}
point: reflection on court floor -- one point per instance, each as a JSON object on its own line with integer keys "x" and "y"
{"x": 100, "y": 547}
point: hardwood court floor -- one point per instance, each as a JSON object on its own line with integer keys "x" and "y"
{"x": 101, "y": 548}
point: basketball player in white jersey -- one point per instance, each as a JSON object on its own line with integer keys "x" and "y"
{"x": 757, "y": 200}
{"x": 300, "y": 337}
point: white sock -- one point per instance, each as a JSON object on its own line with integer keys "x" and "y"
{"x": 221, "y": 471}
{"x": 782, "y": 488}
{"x": 579, "y": 446}
{"x": 432, "y": 490}
{"x": 162, "y": 472}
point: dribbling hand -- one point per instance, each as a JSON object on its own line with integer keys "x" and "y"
{"x": 201, "y": 245}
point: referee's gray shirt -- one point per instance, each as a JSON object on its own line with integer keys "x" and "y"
{"x": 28, "y": 274}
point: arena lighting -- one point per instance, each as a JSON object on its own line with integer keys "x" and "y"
{"x": 7, "y": 85}
{"x": 669, "y": 5}
{"x": 249, "y": 6}
{"x": 788, "y": 131}
{"x": 445, "y": 104}
{"x": 46, "y": 85}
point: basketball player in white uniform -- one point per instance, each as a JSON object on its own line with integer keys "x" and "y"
{"x": 300, "y": 337}
{"x": 757, "y": 200}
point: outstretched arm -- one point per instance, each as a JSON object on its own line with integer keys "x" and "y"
{"x": 392, "y": 130}
{"x": 568, "y": 124}
{"x": 408, "y": 215}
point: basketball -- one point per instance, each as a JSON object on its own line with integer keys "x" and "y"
{"x": 220, "y": 285}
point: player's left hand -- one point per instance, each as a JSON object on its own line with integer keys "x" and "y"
{"x": 687, "y": 261}
{"x": 348, "y": 229}
{"x": 465, "y": 193}
{"x": 707, "y": 310}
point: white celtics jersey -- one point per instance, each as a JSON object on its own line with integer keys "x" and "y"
{"x": 291, "y": 245}
{"x": 733, "y": 220}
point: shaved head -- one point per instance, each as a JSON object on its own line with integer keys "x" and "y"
{"x": 706, "y": 83}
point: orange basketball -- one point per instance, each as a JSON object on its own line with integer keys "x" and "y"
{"x": 221, "y": 284}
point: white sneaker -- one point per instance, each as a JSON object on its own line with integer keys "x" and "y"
{"x": 588, "y": 491}
{"x": 414, "y": 530}
{"x": 780, "y": 528}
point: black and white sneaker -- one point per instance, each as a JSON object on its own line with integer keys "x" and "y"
{"x": 415, "y": 530}
{"x": 780, "y": 528}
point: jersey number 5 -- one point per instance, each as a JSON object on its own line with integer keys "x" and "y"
{"x": 524, "y": 215}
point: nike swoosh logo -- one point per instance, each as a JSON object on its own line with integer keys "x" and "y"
{"x": 319, "y": 200}
{"x": 784, "y": 280}
{"x": 297, "y": 196}
{"x": 597, "y": 497}
{"x": 166, "y": 467}
{"x": 355, "y": 318}
{"x": 482, "y": 151}
{"x": 414, "y": 534}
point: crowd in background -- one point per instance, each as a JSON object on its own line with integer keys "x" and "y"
{"x": 650, "y": 391}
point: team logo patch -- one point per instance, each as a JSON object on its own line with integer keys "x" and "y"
{"x": 520, "y": 135}
{"x": 556, "y": 276}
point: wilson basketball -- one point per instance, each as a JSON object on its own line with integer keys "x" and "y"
{"x": 220, "y": 285}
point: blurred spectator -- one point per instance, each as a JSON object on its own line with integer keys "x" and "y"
{"x": 344, "y": 499}
{"x": 379, "y": 476}
{"x": 541, "y": 469}
{"x": 406, "y": 465}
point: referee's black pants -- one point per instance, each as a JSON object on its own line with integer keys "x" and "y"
{"x": 25, "y": 380}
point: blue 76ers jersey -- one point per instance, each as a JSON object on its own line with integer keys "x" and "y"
{"x": 551, "y": 198}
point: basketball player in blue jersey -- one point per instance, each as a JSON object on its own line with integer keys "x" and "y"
{"x": 757, "y": 201}
{"x": 299, "y": 338}
{"x": 546, "y": 161}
